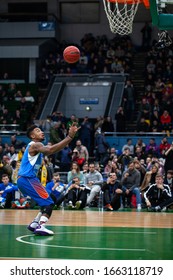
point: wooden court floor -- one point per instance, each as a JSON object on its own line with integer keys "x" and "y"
{"x": 89, "y": 235}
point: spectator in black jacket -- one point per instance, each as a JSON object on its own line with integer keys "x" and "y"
{"x": 112, "y": 192}
{"x": 158, "y": 196}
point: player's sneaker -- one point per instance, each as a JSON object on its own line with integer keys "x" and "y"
{"x": 42, "y": 230}
{"x": 33, "y": 226}
{"x": 78, "y": 204}
{"x": 70, "y": 205}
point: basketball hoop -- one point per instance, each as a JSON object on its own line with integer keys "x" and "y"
{"x": 121, "y": 13}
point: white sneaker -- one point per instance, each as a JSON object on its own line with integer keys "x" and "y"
{"x": 42, "y": 230}
{"x": 33, "y": 226}
{"x": 70, "y": 205}
{"x": 139, "y": 207}
{"x": 78, "y": 204}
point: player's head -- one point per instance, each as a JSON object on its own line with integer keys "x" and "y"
{"x": 35, "y": 133}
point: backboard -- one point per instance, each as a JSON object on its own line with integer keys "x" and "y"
{"x": 162, "y": 13}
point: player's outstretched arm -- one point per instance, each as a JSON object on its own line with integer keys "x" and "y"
{"x": 38, "y": 147}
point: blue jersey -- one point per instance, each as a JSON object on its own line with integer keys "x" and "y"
{"x": 7, "y": 189}
{"x": 28, "y": 183}
{"x": 30, "y": 164}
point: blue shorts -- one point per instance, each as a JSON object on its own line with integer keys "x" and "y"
{"x": 33, "y": 188}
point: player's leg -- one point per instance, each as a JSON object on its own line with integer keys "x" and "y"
{"x": 33, "y": 188}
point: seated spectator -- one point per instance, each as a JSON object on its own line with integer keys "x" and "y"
{"x": 152, "y": 148}
{"x": 142, "y": 125}
{"x": 131, "y": 182}
{"x": 6, "y": 166}
{"x": 7, "y": 192}
{"x": 139, "y": 153}
{"x": 144, "y": 110}
{"x": 124, "y": 159}
{"x": 18, "y": 95}
{"x": 29, "y": 97}
{"x": 75, "y": 172}
{"x": 164, "y": 146}
{"x": 85, "y": 168}
{"x": 158, "y": 196}
{"x": 140, "y": 143}
{"x": 112, "y": 192}
{"x": 93, "y": 180}
{"x": 129, "y": 145}
{"x": 149, "y": 178}
{"x": 107, "y": 125}
{"x": 168, "y": 180}
{"x": 56, "y": 189}
{"x": 166, "y": 124}
{"x": 140, "y": 168}
{"x": 77, "y": 195}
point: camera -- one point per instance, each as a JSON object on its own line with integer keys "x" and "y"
{"x": 73, "y": 182}
{"x": 164, "y": 41}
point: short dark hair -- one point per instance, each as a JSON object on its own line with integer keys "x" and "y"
{"x": 30, "y": 129}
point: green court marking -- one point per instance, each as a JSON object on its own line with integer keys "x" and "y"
{"x": 90, "y": 243}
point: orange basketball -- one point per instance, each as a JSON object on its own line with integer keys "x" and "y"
{"x": 71, "y": 54}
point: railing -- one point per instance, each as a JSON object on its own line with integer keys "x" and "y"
{"x": 9, "y": 129}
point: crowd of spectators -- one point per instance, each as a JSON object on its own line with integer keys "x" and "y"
{"x": 98, "y": 55}
{"x": 133, "y": 168}
{"x": 16, "y": 106}
{"x": 155, "y": 109}
{"x": 89, "y": 153}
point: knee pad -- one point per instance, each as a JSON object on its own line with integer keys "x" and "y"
{"x": 47, "y": 210}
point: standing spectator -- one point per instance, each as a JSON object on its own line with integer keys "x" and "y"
{"x": 120, "y": 120}
{"x": 65, "y": 159}
{"x": 146, "y": 36}
{"x": 82, "y": 153}
{"x": 101, "y": 147}
{"x": 168, "y": 159}
{"x": 86, "y": 133}
{"x": 129, "y": 99}
{"x": 73, "y": 119}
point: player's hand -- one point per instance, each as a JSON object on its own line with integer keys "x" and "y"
{"x": 73, "y": 130}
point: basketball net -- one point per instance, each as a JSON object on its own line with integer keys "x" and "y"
{"x": 121, "y": 15}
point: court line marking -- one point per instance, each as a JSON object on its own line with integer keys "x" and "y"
{"x": 20, "y": 239}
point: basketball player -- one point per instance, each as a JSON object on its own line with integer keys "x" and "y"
{"x": 28, "y": 182}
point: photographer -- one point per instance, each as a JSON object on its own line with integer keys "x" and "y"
{"x": 112, "y": 192}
